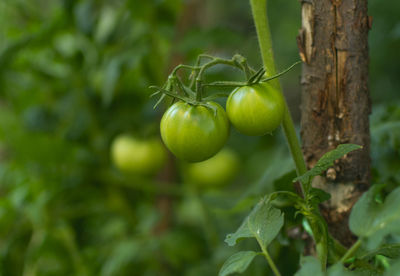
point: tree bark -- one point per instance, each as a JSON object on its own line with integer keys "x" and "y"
{"x": 333, "y": 44}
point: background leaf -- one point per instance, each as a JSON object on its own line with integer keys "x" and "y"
{"x": 237, "y": 263}
{"x": 373, "y": 221}
{"x": 309, "y": 266}
{"x": 340, "y": 270}
{"x": 393, "y": 270}
{"x": 388, "y": 250}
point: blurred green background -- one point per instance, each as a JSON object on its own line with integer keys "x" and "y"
{"x": 75, "y": 74}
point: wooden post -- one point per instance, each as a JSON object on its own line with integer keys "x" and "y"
{"x": 333, "y": 43}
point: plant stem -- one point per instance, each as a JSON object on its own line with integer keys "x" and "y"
{"x": 294, "y": 147}
{"x": 351, "y": 251}
{"x": 320, "y": 234}
{"x": 269, "y": 259}
{"x": 226, "y": 83}
{"x": 183, "y": 66}
{"x": 199, "y": 79}
{"x": 259, "y": 10}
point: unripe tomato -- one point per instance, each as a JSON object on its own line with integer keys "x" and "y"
{"x": 132, "y": 155}
{"x": 255, "y": 110}
{"x": 193, "y": 132}
{"x": 218, "y": 170}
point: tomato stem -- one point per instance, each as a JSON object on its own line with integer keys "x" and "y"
{"x": 259, "y": 10}
{"x": 317, "y": 223}
{"x": 184, "y": 66}
{"x": 215, "y": 61}
{"x": 351, "y": 251}
{"x": 268, "y": 258}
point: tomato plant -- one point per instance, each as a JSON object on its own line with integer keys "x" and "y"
{"x": 216, "y": 171}
{"x": 69, "y": 84}
{"x": 132, "y": 155}
{"x": 194, "y": 132}
{"x": 195, "y": 129}
{"x": 255, "y": 110}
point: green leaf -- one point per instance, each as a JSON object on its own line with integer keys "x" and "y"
{"x": 263, "y": 223}
{"x": 112, "y": 74}
{"x": 312, "y": 266}
{"x": 106, "y": 24}
{"x": 327, "y": 160}
{"x": 318, "y": 195}
{"x": 309, "y": 266}
{"x": 372, "y": 220}
{"x": 340, "y": 270}
{"x": 237, "y": 263}
{"x": 242, "y": 233}
{"x": 393, "y": 270}
{"x": 285, "y": 198}
{"x": 365, "y": 268}
{"x": 388, "y": 250}
{"x": 122, "y": 253}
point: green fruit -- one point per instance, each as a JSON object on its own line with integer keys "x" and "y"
{"x": 137, "y": 156}
{"x": 193, "y": 132}
{"x": 218, "y": 170}
{"x": 255, "y": 110}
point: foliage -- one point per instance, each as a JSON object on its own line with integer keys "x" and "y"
{"x": 74, "y": 74}
{"x": 326, "y": 162}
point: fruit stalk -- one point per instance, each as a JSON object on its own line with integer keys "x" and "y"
{"x": 259, "y": 8}
{"x": 259, "y": 11}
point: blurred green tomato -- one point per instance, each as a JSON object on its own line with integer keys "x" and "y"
{"x": 132, "y": 155}
{"x": 218, "y": 170}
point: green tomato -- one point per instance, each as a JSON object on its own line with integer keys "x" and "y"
{"x": 255, "y": 110}
{"x": 193, "y": 132}
{"x": 143, "y": 157}
{"x": 218, "y": 170}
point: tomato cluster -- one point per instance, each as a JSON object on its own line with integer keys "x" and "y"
{"x": 195, "y": 132}
{"x": 196, "y": 129}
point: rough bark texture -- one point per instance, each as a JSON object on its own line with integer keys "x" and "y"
{"x": 333, "y": 43}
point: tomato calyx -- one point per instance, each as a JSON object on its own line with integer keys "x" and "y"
{"x": 186, "y": 99}
{"x": 192, "y": 88}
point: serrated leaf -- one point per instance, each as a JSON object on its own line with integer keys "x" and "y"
{"x": 263, "y": 223}
{"x": 237, "y": 263}
{"x": 310, "y": 266}
{"x": 388, "y": 250}
{"x": 242, "y": 233}
{"x": 372, "y": 220}
{"x": 327, "y": 160}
